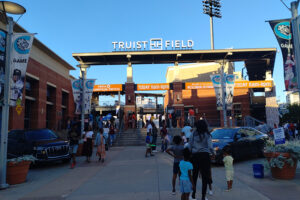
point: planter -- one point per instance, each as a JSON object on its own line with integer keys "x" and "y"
{"x": 17, "y": 172}
{"x": 287, "y": 172}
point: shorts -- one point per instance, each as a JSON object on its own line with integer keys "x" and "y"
{"x": 148, "y": 146}
{"x": 175, "y": 167}
{"x": 73, "y": 148}
{"x": 186, "y": 186}
{"x": 229, "y": 175}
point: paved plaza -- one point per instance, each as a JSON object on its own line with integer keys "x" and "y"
{"x": 128, "y": 175}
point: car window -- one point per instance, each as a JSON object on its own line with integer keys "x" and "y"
{"x": 43, "y": 134}
{"x": 16, "y": 134}
{"x": 248, "y": 132}
{"x": 223, "y": 133}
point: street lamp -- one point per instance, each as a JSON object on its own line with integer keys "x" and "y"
{"x": 212, "y": 8}
{"x": 11, "y": 8}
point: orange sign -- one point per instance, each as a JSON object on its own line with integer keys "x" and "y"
{"x": 153, "y": 86}
{"x": 108, "y": 88}
{"x": 237, "y": 84}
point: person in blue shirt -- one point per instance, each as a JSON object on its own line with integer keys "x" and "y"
{"x": 148, "y": 145}
{"x": 185, "y": 176}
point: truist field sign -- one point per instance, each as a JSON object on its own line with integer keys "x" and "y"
{"x": 153, "y": 44}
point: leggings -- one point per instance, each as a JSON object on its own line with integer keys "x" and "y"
{"x": 201, "y": 162}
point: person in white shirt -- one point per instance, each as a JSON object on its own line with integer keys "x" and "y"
{"x": 187, "y": 131}
{"x": 88, "y": 144}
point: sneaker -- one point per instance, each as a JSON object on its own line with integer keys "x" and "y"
{"x": 173, "y": 192}
{"x": 191, "y": 198}
{"x": 151, "y": 154}
{"x": 228, "y": 190}
{"x": 154, "y": 151}
{"x": 210, "y": 192}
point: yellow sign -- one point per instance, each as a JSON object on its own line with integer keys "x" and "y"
{"x": 237, "y": 84}
{"x": 108, "y": 88}
{"x": 19, "y": 109}
{"x": 153, "y": 86}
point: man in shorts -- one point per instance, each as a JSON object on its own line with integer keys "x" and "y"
{"x": 74, "y": 137}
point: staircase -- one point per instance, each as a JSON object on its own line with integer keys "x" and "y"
{"x": 136, "y": 137}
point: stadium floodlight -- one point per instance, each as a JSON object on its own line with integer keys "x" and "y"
{"x": 212, "y": 9}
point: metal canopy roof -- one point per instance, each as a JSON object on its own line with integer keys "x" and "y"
{"x": 257, "y": 61}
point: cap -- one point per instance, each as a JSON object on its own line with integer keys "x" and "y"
{"x": 17, "y": 72}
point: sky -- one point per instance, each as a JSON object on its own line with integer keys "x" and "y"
{"x": 81, "y": 26}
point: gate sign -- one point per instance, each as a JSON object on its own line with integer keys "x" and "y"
{"x": 153, "y": 86}
{"x": 279, "y": 136}
{"x": 108, "y": 88}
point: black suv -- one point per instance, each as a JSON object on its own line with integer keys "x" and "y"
{"x": 43, "y": 144}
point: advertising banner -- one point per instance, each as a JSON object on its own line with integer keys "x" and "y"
{"x": 216, "y": 80}
{"x": 21, "y": 45}
{"x": 296, "y": 43}
{"x": 279, "y": 136}
{"x": 153, "y": 86}
{"x": 229, "y": 80}
{"x": 2, "y": 64}
{"x": 77, "y": 94}
{"x": 108, "y": 88}
{"x": 237, "y": 85}
{"x": 283, "y": 33}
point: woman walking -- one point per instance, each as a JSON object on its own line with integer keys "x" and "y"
{"x": 88, "y": 144}
{"x": 100, "y": 142}
{"x": 200, "y": 145}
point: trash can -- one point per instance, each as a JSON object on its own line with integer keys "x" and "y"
{"x": 258, "y": 171}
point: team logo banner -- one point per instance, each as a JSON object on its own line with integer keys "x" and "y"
{"x": 2, "y": 64}
{"x": 216, "y": 80}
{"x": 229, "y": 80}
{"x": 21, "y": 45}
{"x": 283, "y": 33}
{"x": 77, "y": 88}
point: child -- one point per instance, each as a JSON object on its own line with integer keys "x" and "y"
{"x": 185, "y": 175}
{"x": 228, "y": 163}
{"x": 177, "y": 152}
{"x": 148, "y": 145}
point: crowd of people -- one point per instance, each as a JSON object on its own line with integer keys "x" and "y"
{"x": 100, "y": 135}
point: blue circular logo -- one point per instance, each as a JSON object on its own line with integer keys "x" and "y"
{"x": 77, "y": 84}
{"x": 283, "y": 30}
{"x": 2, "y": 41}
{"x": 89, "y": 84}
{"x": 216, "y": 79}
{"x": 230, "y": 79}
{"x": 21, "y": 44}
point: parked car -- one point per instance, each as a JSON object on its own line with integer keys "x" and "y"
{"x": 243, "y": 142}
{"x": 43, "y": 144}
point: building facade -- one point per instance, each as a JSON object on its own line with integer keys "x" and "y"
{"x": 47, "y": 96}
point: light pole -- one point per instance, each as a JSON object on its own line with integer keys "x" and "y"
{"x": 212, "y": 8}
{"x": 11, "y": 8}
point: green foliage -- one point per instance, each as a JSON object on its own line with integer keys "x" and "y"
{"x": 291, "y": 147}
{"x": 293, "y": 115}
{"x": 22, "y": 158}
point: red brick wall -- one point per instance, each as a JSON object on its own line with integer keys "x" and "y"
{"x": 38, "y": 118}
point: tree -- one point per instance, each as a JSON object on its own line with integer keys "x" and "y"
{"x": 293, "y": 115}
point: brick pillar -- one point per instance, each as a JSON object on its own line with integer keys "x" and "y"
{"x": 40, "y": 108}
{"x": 178, "y": 103}
{"x": 130, "y": 101}
{"x": 58, "y": 113}
{"x": 272, "y": 113}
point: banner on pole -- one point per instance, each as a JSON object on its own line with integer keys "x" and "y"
{"x": 77, "y": 87}
{"x": 283, "y": 33}
{"x": 296, "y": 43}
{"x": 216, "y": 80}
{"x": 229, "y": 81}
{"x": 21, "y": 45}
{"x": 2, "y": 64}
{"x": 279, "y": 136}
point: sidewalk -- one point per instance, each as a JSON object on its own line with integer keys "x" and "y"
{"x": 128, "y": 175}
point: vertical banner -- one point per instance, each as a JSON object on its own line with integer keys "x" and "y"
{"x": 279, "y": 136}
{"x": 216, "y": 79}
{"x": 296, "y": 43}
{"x": 2, "y": 64}
{"x": 283, "y": 33}
{"x": 21, "y": 45}
{"x": 229, "y": 80}
{"x": 77, "y": 94}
